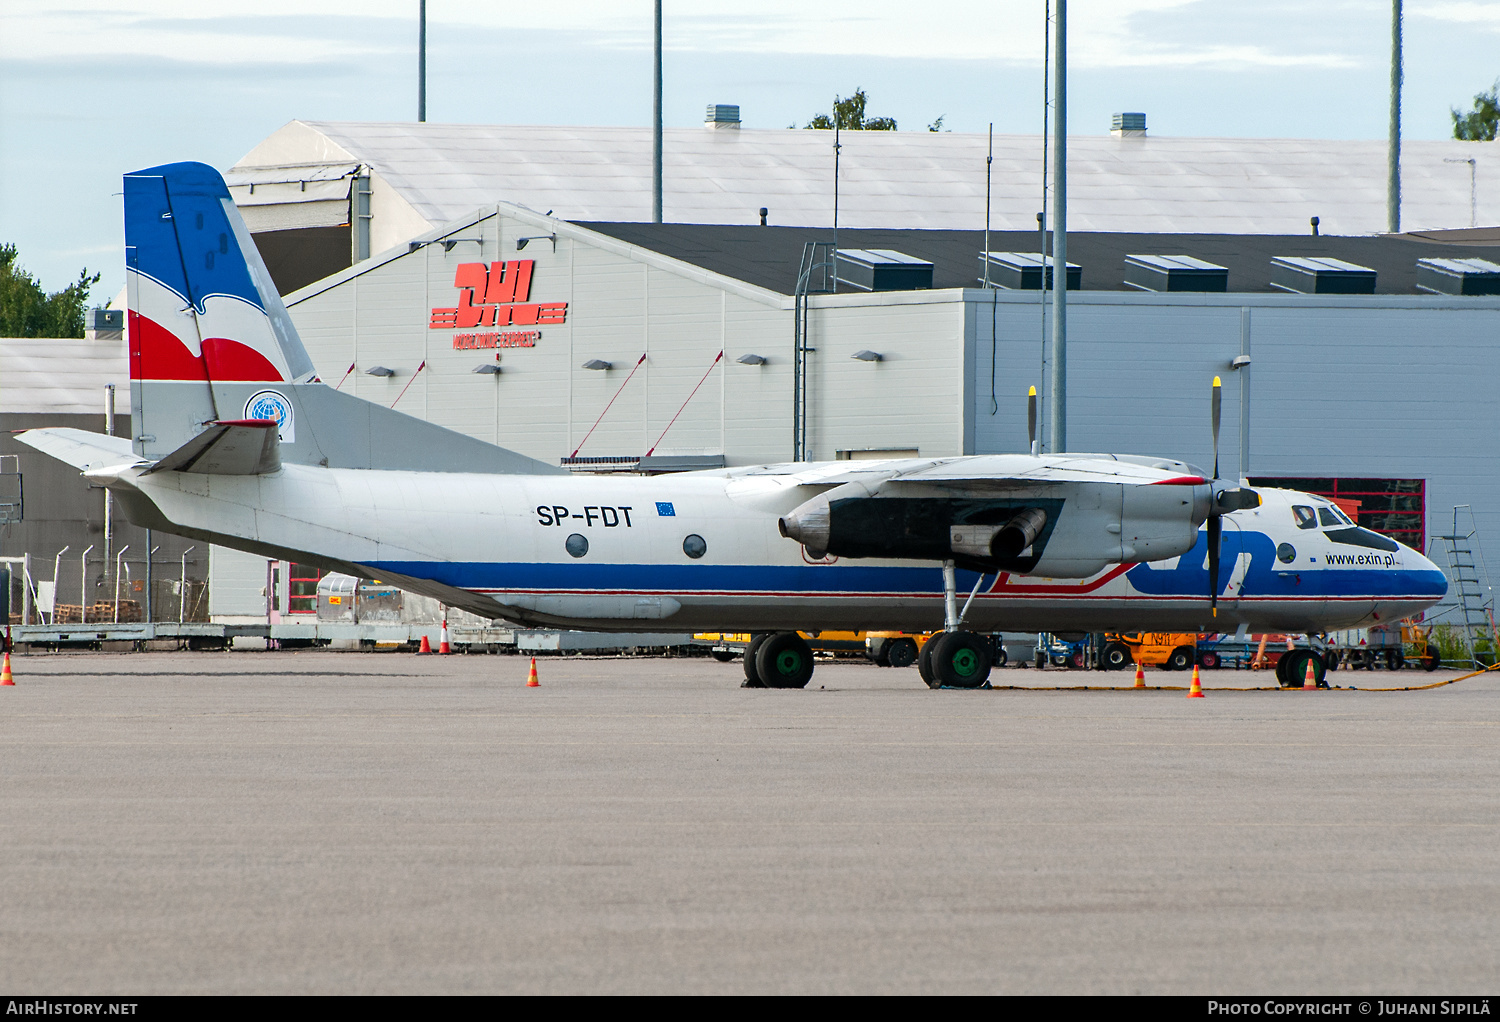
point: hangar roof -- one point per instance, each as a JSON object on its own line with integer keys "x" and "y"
{"x": 905, "y": 179}
{"x": 769, "y": 256}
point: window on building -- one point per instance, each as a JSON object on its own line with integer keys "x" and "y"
{"x": 1392, "y": 507}
{"x": 302, "y": 588}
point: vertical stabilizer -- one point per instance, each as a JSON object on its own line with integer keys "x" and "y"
{"x": 211, "y": 343}
{"x": 203, "y": 311}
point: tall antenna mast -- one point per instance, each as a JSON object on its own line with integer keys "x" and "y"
{"x": 1060, "y": 238}
{"x": 1393, "y": 152}
{"x": 656, "y": 127}
{"x": 1041, "y": 218}
{"x": 421, "y": 60}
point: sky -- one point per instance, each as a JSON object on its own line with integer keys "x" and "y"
{"x": 91, "y": 89}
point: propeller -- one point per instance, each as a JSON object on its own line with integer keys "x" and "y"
{"x": 1215, "y": 519}
{"x": 1031, "y": 421}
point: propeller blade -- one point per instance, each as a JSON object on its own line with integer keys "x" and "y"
{"x": 1217, "y": 405}
{"x": 1215, "y": 533}
{"x": 1031, "y": 421}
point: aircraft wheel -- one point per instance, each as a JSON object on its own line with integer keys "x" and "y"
{"x": 1295, "y": 674}
{"x": 901, "y": 652}
{"x": 723, "y": 656}
{"x": 1181, "y": 659}
{"x": 924, "y": 661}
{"x": 1432, "y": 657}
{"x": 1281, "y": 665}
{"x": 961, "y": 660}
{"x": 752, "y": 674}
{"x": 784, "y": 660}
{"x": 1115, "y": 656}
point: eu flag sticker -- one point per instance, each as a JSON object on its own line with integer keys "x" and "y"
{"x": 664, "y": 509}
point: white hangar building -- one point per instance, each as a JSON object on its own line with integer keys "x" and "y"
{"x": 320, "y": 195}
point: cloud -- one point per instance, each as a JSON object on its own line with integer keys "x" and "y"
{"x": 1103, "y": 33}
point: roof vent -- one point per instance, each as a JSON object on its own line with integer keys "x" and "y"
{"x": 1022, "y": 271}
{"x": 880, "y": 269}
{"x": 1458, "y": 276}
{"x": 1128, "y": 125}
{"x": 1174, "y": 273}
{"x": 722, "y": 115}
{"x": 1321, "y": 275}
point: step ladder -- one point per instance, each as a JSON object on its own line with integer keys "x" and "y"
{"x": 1470, "y": 599}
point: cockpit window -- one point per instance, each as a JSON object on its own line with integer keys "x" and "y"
{"x": 1327, "y": 517}
{"x": 1342, "y": 517}
{"x": 1306, "y": 518}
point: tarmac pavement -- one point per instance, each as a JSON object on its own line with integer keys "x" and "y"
{"x": 313, "y": 822}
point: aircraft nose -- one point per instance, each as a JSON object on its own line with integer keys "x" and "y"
{"x": 1428, "y": 578}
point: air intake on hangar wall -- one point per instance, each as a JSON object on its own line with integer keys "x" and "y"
{"x": 1321, "y": 275}
{"x": 1458, "y": 276}
{"x": 1128, "y": 125}
{"x": 881, "y": 269}
{"x": 1174, "y": 273}
{"x": 1022, "y": 271}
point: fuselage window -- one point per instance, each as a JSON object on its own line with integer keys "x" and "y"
{"x": 576, "y": 545}
{"x": 1327, "y": 517}
{"x": 1306, "y": 518}
{"x": 694, "y": 546}
{"x": 1286, "y": 553}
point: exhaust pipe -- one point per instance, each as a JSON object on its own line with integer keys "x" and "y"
{"x": 1019, "y": 533}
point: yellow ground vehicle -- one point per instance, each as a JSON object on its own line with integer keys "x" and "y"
{"x": 1171, "y": 651}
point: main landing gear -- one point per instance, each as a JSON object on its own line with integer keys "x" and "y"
{"x": 954, "y": 658}
{"x": 778, "y": 660}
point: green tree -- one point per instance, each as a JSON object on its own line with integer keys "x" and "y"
{"x": 1479, "y": 124}
{"x": 28, "y": 311}
{"x": 849, "y": 115}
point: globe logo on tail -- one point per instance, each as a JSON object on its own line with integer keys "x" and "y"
{"x": 272, "y": 404}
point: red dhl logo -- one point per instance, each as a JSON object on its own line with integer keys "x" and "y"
{"x": 496, "y": 295}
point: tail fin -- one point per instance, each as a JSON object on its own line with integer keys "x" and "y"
{"x": 211, "y": 342}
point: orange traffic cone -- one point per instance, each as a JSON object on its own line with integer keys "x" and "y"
{"x": 531, "y": 681}
{"x": 1196, "y": 692}
{"x": 443, "y": 648}
{"x": 1140, "y": 676}
{"x": 426, "y": 646}
{"x": 5, "y": 678}
{"x": 1310, "y": 682}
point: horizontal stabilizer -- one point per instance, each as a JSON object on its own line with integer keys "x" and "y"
{"x": 83, "y": 450}
{"x": 246, "y": 447}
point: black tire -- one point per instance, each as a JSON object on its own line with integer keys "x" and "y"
{"x": 1295, "y": 673}
{"x": 1077, "y": 660}
{"x": 1115, "y": 656}
{"x": 1432, "y": 657}
{"x": 901, "y": 652}
{"x": 1180, "y": 660}
{"x": 961, "y": 660}
{"x": 723, "y": 656}
{"x": 1394, "y": 660}
{"x": 998, "y": 656}
{"x": 752, "y": 673}
{"x": 924, "y": 661}
{"x": 1208, "y": 660}
{"x": 882, "y": 654}
{"x": 784, "y": 660}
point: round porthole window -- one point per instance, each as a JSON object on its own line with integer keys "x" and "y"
{"x": 577, "y": 545}
{"x": 694, "y": 546}
{"x": 1286, "y": 553}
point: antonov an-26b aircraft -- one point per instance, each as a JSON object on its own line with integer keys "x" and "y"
{"x": 236, "y": 441}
